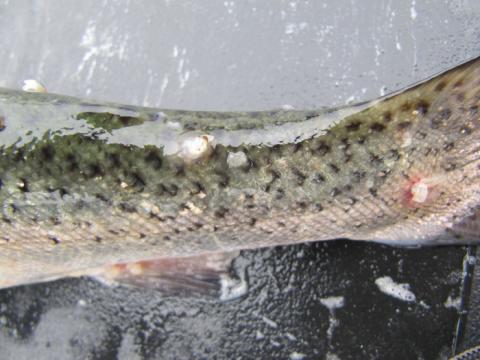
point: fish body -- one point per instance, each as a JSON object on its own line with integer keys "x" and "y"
{"x": 103, "y": 189}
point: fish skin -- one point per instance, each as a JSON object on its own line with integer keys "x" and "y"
{"x": 86, "y": 186}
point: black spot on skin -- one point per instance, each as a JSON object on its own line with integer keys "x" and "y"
{"x": 406, "y": 106}
{"x": 47, "y": 152}
{"x": 353, "y": 126}
{"x": 179, "y": 171}
{"x": 23, "y": 185}
{"x": 335, "y": 191}
{"x": 318, "y": 178}
{"x": 276, "y": 149}
{"x": 197, "y": 188}
{"x": 275, "y": 176}
{"x": 221, "y": 212}
{"x": 404, "y": 125}
{"x": 281, "y": 223}
{"x": 114, "y": 232}
{"x": 98, "y": 239}
{"x": 93, "y": 170}
{"x": 171, "y": 190}
{"x": 224, "y": 179}
{"x": 473, "y": 110}
{"x": 440, "y": 117}
{"x": 54, "y": 220}
{"x": 302, "y": 205}
{"x": 422, "y": 107}
{"x": 71, "y": 162}
{"x": 334, "y": 168}
{"x": 352, "y": 200}
{"x": 361, "y": 140}
{"x": 280, "y": 194}
{"x": 322, "y": 148}
{"x": 375, "y": 160}
{"x": 6, "y": 220}
{"x": 448, "y": 146}
{"x": 348, "y": 187}
{"x": 378, "y": 127}
{"x": 299, "y": 176}
{"x": 198, "y": 225}
{"x": 19, "y": 155}
{"x": 113, "y": 160}
{"x": 387, "y": 116}
{"x": 458, "y": 83}
{"x": 101, "y": 197}
{"x": 297, "y": 147}
{"x": 251, "y": 164}
{"x": 141, "y": 235}
{"x": 440, "y": 86}
{"x": 394, "y": 154}
{"x": 422, "y": 134}
{"x": 373, "y": 192}
{"x": 54, "y": 239}
{"x": 345, "y": 144}
{"x": 137, "y": 180}
{"x": 176, "y": 231}
{"x": 358, "y": 175}
{"x": 125, "y": 207}
{"x": 166, "y": 238}
{"x": 62, "y": 191}
{"x": 252, "y": 221}
{"x": 318, "y": 207}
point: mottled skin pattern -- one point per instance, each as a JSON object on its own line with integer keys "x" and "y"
{"x": 401, "y": 170}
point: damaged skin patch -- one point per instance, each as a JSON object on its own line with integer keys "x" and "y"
{"x": 197, "y": 147}
{"x": 2, "y": 123}
{"x": 419, "y": 190}
{"x": 34, "y": 86}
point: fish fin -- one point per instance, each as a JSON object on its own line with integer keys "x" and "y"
{"x": 204, "y": 275}
{"x": 465, "y": 232}
{"x": 468, "y": 230}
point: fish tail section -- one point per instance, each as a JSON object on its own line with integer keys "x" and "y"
{"x": 200, "y": 275}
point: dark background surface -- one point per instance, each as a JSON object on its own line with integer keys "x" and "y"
{"x": 246, "y": 55}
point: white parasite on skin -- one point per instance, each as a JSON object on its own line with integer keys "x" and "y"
{"x": 196, "y": 147}
{"x": 34, "y": 86}
{"x": 419, "y": 192}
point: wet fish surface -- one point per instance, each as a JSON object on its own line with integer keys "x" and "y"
{"x": 166, "y": 198}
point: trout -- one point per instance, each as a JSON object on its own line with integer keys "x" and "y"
{"x": 165, "y": 198}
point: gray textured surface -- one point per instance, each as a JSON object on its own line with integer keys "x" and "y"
{"x": 242, "y": 55}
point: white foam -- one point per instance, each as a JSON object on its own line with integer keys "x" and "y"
{"x": 297, "y": 356}
{"x": 399, "y": 291}
{"x": 333, "y": 302}
{"x": 453, "y": 302}
{"x": 269, "y": 322}
{"x": 32, "y": 85}
{"x": 232, "y": 289}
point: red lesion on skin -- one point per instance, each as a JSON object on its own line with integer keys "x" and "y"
{"x": 420, "y": 190}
